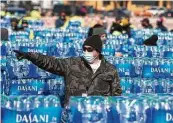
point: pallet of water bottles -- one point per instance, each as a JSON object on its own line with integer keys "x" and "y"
{"x": 141, "y": 108}
{"x": 143, "y": 67}
{"x": 146, "y": 85}
{"x": 30, "y": 109}
{"x": 31, "y": 86}
{"x": 56, "y": 86}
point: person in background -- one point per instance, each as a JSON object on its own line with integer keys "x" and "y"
{"x": 49, "y": 18}
{"x": 126, "y": 26}
{"x": 4, "y": 34}
{"x": 98, "y": 30}
{"x": 14, "y": 24}
{"x": 88, "y": 75}
{"x": 160, "y": 25}
{"x": 24, "y": 25}
{"x": 146, "y": 23}
{"x": 122, "y": 27}
{"x": 116, "y": 28}
{"x": 27, "y": 16}
{"x": 152, "y": 41}
{"x": 83, "y": 11}
{"x": 61, "y": 20}
{"x": 35, "y": 13}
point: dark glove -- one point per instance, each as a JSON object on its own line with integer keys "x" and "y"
{"x": 20, "y": 55}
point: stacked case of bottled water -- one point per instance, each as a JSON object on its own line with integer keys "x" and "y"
{"x": 129, "y": 108}
{"x": 88, "y": 109}
{"x": 30, "y": 109}
{"x": 148, "y": 108}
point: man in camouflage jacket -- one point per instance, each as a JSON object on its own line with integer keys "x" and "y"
{"x": 87, "y": 75}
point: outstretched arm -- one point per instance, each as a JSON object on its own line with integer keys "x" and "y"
{"x": 48, "y": 63}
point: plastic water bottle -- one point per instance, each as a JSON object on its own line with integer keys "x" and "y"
{"x": 140, "y": 110}
{"x": 156, "y": 52}
{"x": 126, "y": 85}
{"x": 56, "y": 86}
{"x": 106, "y": 50}
{"x": 125, "y": 111}
{"x": 94, "y": 110}
{"x": 19, "y": 105}
{"x": 157, "y": 86}
{"x": 138, "y": 66}
{"x": 28, "y": 104}
{"x": 138, "y": 51}
{"x": 157, "y": 104}
{"x": 137, "y": 85}
{"x": 20, "y": 69}
{"x": 38, "y": 102}
{"x": 78, "y": 48}
{"x": 62, "y": 86}
{"x": 147, "y": 86}
{"x": 169, "y": 85}
{"x": 56, "y": 89}
{"x": 9, "y": 104}
{"x": 163, "y": 84}
{"x": 58, "y": 50}
{"x": 3, "y": 81}
{"x": 112, "y": 51}
{"x": 46, "y": 103}
{"x": 72, "y": 51}
{"x": 42, "y": 73}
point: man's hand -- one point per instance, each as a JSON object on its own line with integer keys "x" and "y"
{"x": 19, "y": 55}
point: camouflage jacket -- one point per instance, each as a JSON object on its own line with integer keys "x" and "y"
{"x": 79, "y": 77}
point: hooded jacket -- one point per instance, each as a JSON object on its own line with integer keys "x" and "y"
{"x": 79, "y": 77}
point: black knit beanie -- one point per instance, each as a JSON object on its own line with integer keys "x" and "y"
{"x": 95, "y": 42}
